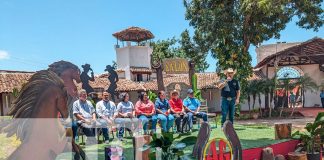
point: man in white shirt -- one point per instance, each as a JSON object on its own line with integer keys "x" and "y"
{"x": 85, "y": 114}
{"x": 105, "y": 111}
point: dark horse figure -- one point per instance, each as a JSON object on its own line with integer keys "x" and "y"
{"x": 35, "y": 118}
{"x": 113, "y": 79}
{"x": 85, "y": 78}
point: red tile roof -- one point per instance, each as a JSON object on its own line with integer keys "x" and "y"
{"x": 13, "y": 79}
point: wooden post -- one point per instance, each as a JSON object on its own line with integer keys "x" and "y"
{"x": 1, "y": 105}
{"x": 267, "y": 154}
{"x": 158, "y": 66}
{"x": 191, "y": 72}
{"x": 297, "y": 156}
{"x": 280, "y": 157}
{"x": 283, "y": 130}
{"x": 138, "y": 143}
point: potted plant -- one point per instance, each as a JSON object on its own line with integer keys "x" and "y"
{"x": 311, "y": 138}
{"x": 169, "y": 150}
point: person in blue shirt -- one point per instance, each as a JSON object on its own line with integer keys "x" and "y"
{"x": 322, "y": 97}
{"x": 163, "y": 112}
{"x": 192, "y": 106}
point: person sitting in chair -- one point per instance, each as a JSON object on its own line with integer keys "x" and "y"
{"x": 85, "y": 114}
{"x": 145, "y": 111}
{"x": 125, "y": 115}
{"x": 163, "y": 112}
{"x": 192, "y": 106}
{"x": 105, "y": 111}
{"x": 178, "y": 111}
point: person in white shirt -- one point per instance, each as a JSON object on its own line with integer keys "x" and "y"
{"x": 85, "y": 114}
{"x": 105, "y": 111}
{"x": 125, "y": 115}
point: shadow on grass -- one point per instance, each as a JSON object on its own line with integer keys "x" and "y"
{"x": 189, "y": 140}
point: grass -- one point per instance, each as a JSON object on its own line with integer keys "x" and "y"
{"x": 250, "y": 135}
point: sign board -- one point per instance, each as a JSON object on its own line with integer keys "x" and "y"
{"x": 176, "y": 66}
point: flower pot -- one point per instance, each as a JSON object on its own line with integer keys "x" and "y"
{"x": 255, "y": 115}
{"x": 313, "y": 156}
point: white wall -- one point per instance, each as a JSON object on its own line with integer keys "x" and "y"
{"x": 133, "y": 56}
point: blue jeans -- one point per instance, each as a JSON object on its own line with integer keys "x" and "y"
{"x": 74, "y": 128}
{"x": 126, "y": 122}
{"x": 166, "y": 121}
{"x": 202, "y": 115}
{"x": 105, "y": 130}
{"x": 145, "y": 119}
{"x": 228, "y": 107}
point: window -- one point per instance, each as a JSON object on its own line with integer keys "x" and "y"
{"x": 288, "y": 73}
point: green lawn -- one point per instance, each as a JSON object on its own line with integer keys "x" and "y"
{"x": 250, "y": 136}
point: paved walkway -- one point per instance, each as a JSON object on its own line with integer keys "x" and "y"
{"x": 298, "y": 123}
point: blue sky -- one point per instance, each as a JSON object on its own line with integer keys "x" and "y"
{"x": 35, "y": 33}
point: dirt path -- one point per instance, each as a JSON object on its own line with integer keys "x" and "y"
{"x": 298, "y": 123}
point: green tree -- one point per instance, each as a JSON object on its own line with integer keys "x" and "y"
{"x": 227, "y": 28}
{"x": 193, "y": 52}
{"x": 166, "y": 49}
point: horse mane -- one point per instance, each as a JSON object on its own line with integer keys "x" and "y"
{"x": 26, "y": 104}
{"x": 60, "y": 66}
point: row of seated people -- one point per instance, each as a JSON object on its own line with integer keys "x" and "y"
{"x": 127, "y": 116}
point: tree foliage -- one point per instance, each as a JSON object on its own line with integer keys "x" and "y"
{"x": 227, "y": 28}
{"x": 193, "y": 52}
{"x": 180, "y": 48}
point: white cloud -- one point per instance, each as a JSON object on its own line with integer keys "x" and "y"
{"x": 4, "y": 55}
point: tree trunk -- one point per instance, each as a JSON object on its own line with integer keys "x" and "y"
{"x": 260, "y": 109}
{"x": 270, "y": 104}
{"x": 159, "y": 77}
{"x": 254, "y": 97}
{"x": 249, "y": 103}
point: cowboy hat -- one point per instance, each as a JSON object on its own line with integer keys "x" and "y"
{"x": 230, "y": 70}
{"x": 108, "y": 67}
{"x": 85, "y": 66}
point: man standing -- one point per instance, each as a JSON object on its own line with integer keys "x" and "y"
{"x": 192, "y": 106}
{"x": 230, "y": 93}
{"x": 85, "y": 115}
{"x": 105, "y": 110}
{"x": 322, "y": 97}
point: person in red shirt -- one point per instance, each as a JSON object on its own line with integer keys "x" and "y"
{"x": 178, "y": 110}
{"x": 145, "y": 111}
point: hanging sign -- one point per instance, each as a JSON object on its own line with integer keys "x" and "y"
{"x": 176, "y": 66}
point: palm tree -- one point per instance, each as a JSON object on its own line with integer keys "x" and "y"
{"x": 261, "y": 88}
{"x": 269, "y": 88}
{"x": 254, "y": 91}
{"x": 248, "y": 92}
{"x": 307, "y": 84}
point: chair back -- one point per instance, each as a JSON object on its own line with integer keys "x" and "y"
{"x": 234, "y": 140}
{"x": 218, "y": 149}
{"x": 202, "y": 139}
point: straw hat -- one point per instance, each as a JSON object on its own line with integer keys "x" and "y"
{"x": 174, "y": 91}
{"x": 230, "y": 70}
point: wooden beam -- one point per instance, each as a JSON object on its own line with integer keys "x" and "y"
{"x": 1, "y": 105}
